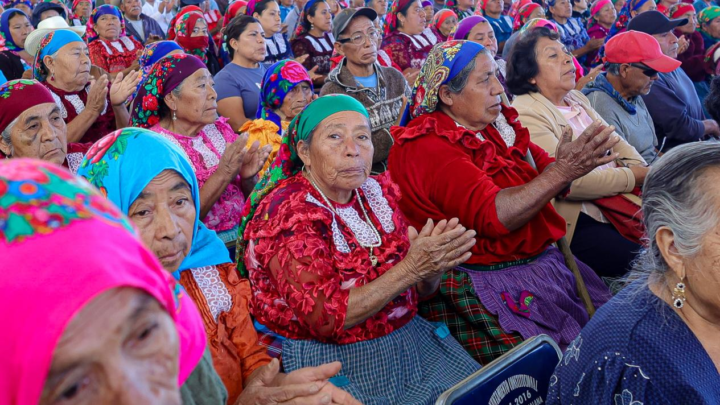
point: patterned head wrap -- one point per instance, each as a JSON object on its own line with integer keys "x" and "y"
{"x": 680, "y": 9}
{"x": 706, "y": 16}
{"x": 8, "y": 4}
{"x": 524, "y": 14}
{"x": 287, "y": 163}
{"x": 440, "y": 17}
{"x": 516, "y": 6}
{"x": 118, "y": 166}
{"x": 75, "y": 245}
{"x": 466, "y": 25}
{"x": 17, "y": 96}
{"x": 165, "y": 75}
{"x": 444, "y": 62}
{"x": 624, "y": 17}
{"x": 5, "y": 28}
{"x": 75, "y": 4}
{"x": 233, "y": 11}
{"x": 712, "y": 56}
{"x": 151, "y": 54}
{"x": 538, "y": 23}
{"x": 106, "y": 9}
{"x": 596, "y": 7}
{"x": 49, "y": 44}
{"x": 250, "y": 10}
{"x": 184, "y": 26}
{"x": 171, "y": 27}
{"x": 391, "y": 18}
{"x": 278, "y": 81}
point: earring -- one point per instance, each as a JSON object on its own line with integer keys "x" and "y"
{"x": 312, "y": 27}
{"x": 174, "y": 115}
{"x": 52, "y": 76}
{"x": 678, "y": 295}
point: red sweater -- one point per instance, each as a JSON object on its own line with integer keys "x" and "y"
{"x": 445, "y": 171}
{"x": 693, "y": 60}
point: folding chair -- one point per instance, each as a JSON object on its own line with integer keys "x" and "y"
{"x": 519, "y": 377}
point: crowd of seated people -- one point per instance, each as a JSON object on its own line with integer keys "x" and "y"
{"x": 347, "y": 202}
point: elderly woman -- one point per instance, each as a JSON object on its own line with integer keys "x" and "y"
{"x": 81, "y": 11}
{"x": 90, "y": 110}
{"x": 381, "y": 90}
{"x": 177, "y": 100}
{"x": 628, "y": 353}
{"x": 631, "y": 9}
{"x": 277, "y": 46}
{"x": 573, "y": 33}
{"x": 146, "y": 190}
{"x": 120, "y": 328}
{"x": 602, "y": 17}
{"x": 515, "y": 284}
{"x": 32, "y": 126}
{"x": 525, "y": 14}
{"x": 109, "y": 47}
{"x": 286, "y": 90}
{"x": 14, "y": 29}
{"x": 238, "y": 83}
{"x": 314, "y": 39}
{"x": 542, "y": 76}
{"x": 190, "y": 30}
{"x": 335, "y": 270}
{"x": 443, "y": 24}
{"x": 709, "y": 25}
{"x": 693, "y": 59}
{"x": 403, "y": 42}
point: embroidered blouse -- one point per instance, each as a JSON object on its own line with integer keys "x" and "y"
{"x": 277, "y": 48}
{"x": 114, "y": 56}
{"x": 319, "y": 51}
{"x": 303, "y": 261}
{"x": 408, "y": 51}
{"x": 465, "y": 175}
{"x": 204, "y": 152}
{"x": 73, "y": 103}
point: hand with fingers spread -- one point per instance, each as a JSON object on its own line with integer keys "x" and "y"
{"x": 254, "y": 160}
{"x": 123, "y": 87}
{"x": 232, "y": 160}
{"x": 591, "y": 149}
{"x": 97, "y": 96}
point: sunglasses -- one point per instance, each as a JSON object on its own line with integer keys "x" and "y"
{"x": 646, "y": 70}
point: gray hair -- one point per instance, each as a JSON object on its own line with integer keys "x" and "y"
{"x": 8, "y": 130}
{"x": 44, "y": 71}
{"x": 458, "y": 83}
{"x": 613, "y": 69}
{"x": 674, "y": 197}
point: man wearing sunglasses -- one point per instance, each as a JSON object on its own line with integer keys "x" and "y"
{"x": 633, "y": 61}
{"x": 673, "y": 102}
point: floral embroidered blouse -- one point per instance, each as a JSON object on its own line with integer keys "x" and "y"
{"x": 319, "y": 51}
{"x": 114, "y": 56}
{"x": 409, "y": 51}
{"x": 303, "y": 260}
{"x": 204, "y": 152}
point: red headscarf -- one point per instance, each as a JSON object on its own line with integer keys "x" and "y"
{"x": 523, "y": 15}
{"x": 233, "y": 11}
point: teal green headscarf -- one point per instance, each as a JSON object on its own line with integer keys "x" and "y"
{"x": 287, "y": 162}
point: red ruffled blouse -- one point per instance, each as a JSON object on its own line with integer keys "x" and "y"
{"x": 446, "y": 171}
{"x": 303, "y": 261}
{"x": 114, "y": 56}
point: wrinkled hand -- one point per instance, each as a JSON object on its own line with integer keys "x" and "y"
{"x": 683, "y": 44}
{"x": 577, "y": 158}
{"x": 437, "y": 248}
{"x": 123, "y": 87}
{"x": 232, "y": 160}
{"x": 592, "y": 75}
{"x": 97, "y": 96}
{"x": 319, "y": 374}
{"x": 255, "y": 159}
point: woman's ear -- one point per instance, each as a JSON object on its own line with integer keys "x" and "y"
{"x": 665, "y": 240}
{"x": 171, "y": 101}
{"x": 234, "y": 43}
{"x": 303, "y": 149}
{"x": 445, "y": 95}
{"x": 49, "y": 64}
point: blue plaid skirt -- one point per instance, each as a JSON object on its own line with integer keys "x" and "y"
{"x": 413, "y": 365}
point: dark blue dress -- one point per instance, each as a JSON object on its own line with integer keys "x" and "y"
{"x": 635, "y": 351}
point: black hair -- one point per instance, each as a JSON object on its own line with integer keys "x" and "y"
{"x": 311, "y": 12}
{"x": 235, "y": 28}
{"x": 261, "y": 5}
{"x": 522, "y": 63}
{"x": 712, "y": 100}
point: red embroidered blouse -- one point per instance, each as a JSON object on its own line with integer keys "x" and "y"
{"x": 303, "y": 261}
{"x": 464, "y": 176}
{"x": 114, "y": 56}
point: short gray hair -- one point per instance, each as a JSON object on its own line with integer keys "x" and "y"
{"x": 613, "y": 68}
{"x": 8, "y": 130}
{"x": 458, "y": 83}
{"x": 673, "y": 197}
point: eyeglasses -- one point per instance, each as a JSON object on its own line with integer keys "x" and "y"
{"x": 646, "y": 70}
{"x": 359, "y": 38}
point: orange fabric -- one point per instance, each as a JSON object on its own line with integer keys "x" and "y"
{"x": 232, "y": 339}
{"x": 265, "y": 132}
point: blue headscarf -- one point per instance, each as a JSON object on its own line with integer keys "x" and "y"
{"x": 5, "y": 28}
{"x": 49, "y": 44}
{"x": 124, "y": 162}
{"x": 278, "y": 81}
{"x": 445, "y": 61}
{"x": 43, "y": 7}
{"x": 151, "y": 54}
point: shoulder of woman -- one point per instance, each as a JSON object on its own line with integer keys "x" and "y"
{"x": 527, "y": 103}
{"x": 390, "y": 190}
{"x": 578, "y": 96}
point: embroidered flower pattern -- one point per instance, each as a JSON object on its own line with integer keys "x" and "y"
{"x": 626, "y": 398}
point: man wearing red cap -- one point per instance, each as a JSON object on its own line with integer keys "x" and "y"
{"x": 632, "y": 62}
{"x": 32, "y": 127}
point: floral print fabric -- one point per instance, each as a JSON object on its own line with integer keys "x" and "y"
{"x": 278, "y": 81}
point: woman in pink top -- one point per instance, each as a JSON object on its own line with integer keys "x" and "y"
{"x": 178, "y": 101}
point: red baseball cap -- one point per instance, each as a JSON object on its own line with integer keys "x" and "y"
{"x": 638, "y": 47}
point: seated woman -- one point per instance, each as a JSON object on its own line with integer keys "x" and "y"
{"x": 526, "y": 13}
{"x": 492, "y": 10}
{"x": 602, "y": 17}
{"x": 631, "y": 9}
{"x": 110, "y": 49}
{"x": 709, "y": 25}
{"x": 443, "y": 24}
{"x": 178, "y": 102}
{"x": 14, "y": 29}
{"x": 286, "y": 90}
{"x": 119, "y": 330}
{"x": 238, "y": 7}
{"x": 462, "y": 8}
{"x": 314, "y": 39}
{"x": 159, "y": 195}
{"x": 403, "y": 24}
{"x": 191, "y": 32}
{"x": 238, "y": 83}
{"x": 81, "y": 10}
{"x": 32, "y": 126}
{"x": 693, "y": 59}
{"x": 501, "y": 294}
{"x": 381, "y": 90}
{"x": 91, "y": 110}
{"x": 542, "y": 76}
{"x": 335, "y": 270}
{"x": 26, "y": 6}
{"x": 628, "y": 352}
{"x": 152, "y": 53}
{"x": 277, "y": 46}
{"x": 572, "y": 31}
{"x": 45, "y": 10}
